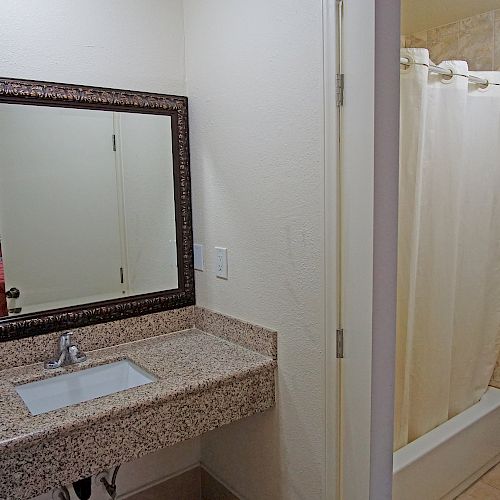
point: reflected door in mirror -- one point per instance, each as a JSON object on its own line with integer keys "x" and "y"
{"x": 87, "y": 207}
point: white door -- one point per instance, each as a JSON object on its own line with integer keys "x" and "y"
{"x": 369, "y": 179}
{"x": 58, "y": 206}
{"x": 357, "y": 246}
{"x": 145, "y": 150}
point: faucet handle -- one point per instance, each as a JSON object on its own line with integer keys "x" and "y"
{"x": 75, "y": 355}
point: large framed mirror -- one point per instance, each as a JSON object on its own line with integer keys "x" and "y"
{"x": 95, "y": 206}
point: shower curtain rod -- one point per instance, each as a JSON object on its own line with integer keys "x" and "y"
{"x": 404, "y": 61}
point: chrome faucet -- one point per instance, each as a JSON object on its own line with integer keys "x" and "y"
{"x": 68, "y": 353}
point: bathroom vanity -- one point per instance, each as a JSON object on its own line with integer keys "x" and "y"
{"x": 201, "y": 380}
{"x": 96, "y": 232}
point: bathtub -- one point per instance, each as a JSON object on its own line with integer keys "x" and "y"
{"x": 445, "y": 461}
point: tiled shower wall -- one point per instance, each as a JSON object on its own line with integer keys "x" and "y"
{"x": 475, "y": 40}
{"x": 495, "y": 381}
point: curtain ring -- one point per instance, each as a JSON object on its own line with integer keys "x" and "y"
{"x": 448, "y": 78}
{"x": 482, "y": 87}
{"x": 407, "y": 67}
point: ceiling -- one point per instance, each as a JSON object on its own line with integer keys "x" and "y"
{"x": 420, "y": 15}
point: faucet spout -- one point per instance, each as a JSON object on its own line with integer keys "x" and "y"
{"x": 68, "y": 353}
{"x": 55, "y": 363}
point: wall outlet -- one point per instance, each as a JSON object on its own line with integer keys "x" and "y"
{"x": 199, "y": 261}
{"x": 221, "y": 262}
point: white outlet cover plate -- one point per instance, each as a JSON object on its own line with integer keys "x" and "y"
{"x": 221, "y": 262}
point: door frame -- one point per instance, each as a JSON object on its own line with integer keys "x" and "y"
{"x": 385, "y": 220}
{"x": 360, "y": 408}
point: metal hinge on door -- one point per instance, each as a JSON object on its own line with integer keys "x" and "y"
{"x": 340, "y": 343}
{"x": 339, "y": 89}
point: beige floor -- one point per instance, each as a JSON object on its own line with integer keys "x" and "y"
{"x": 487, "y": 488}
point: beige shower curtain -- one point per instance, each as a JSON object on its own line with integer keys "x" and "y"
{"x": 448, "y": 336}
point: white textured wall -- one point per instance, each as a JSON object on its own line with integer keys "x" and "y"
{"x": 256, "y": 116}
{"x": 117, "y": 43}
{"x": 129, "y": 44}
{"x": 254, "y": 72}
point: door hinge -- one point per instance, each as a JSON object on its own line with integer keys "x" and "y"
{"x": 340, "y": 343}
{"x": 340, "y": 7}
{"x": 121, "y": 274}
{"x": 114, "y": 142}
{"x": 339, "y": 89}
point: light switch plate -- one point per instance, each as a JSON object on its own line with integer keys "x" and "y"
{"x": 199, "y": 261}
{"x": 221, "y": 262}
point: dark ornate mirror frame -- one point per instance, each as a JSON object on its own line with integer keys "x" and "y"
{"x": 78, "y": 96}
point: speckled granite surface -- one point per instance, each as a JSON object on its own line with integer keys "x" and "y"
{"x": 35, "y": 349}
{"x": 39, "y": 348}
{"x": 203, "y": 382}
{"x": 251, "y": 336}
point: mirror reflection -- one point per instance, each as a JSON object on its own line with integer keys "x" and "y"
{"x": 87, "y": 208}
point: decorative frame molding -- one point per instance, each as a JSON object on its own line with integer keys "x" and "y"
{"x": 38, "y": 93}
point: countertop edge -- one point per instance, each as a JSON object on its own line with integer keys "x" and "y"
{"x": 80, "y": 423}
{"x": 80, "y": 454}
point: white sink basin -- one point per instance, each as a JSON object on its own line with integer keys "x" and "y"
{"x": 50, "y": 394}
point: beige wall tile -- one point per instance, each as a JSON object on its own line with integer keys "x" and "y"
{"x": 496, "y": 375}
{"x": 417, "y": 40}
{"x": 432, "y": 36}
{"x": 476, "y": 39}
{"x": 445, "y": 49}
{"x": 441, "y": 32}
{"x": 496, "y": 56}
{"x": 448, "y": 29}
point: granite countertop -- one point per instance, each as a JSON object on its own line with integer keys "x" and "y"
{"x": 203, "y": 381}
{"x": 183, "y": 362}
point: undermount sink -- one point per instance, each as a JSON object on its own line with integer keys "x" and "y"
{"x": 56, "y": 392}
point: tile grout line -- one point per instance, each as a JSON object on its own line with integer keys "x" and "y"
{"x": 491, "y": 14}
{"x": 466, "y": 495}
